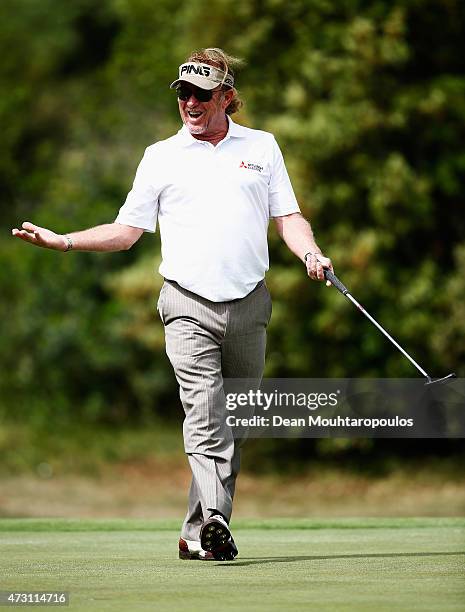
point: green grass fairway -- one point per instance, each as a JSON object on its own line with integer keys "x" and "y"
{"x": 118, "y": 565}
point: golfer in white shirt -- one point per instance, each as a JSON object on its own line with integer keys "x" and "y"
{"x": 212, "y": 187}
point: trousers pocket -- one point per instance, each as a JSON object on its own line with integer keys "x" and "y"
{"x": 160, "y": 302}
{"x": 269, "y": 304}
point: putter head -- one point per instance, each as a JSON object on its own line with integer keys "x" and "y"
{"x": 430, "y": 381}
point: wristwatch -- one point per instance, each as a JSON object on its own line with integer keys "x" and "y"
{"x": 310, "y": 253}
{"x": 70, "y": 243}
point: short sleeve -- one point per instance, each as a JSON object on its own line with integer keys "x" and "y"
{"x": 141, "y": 206}
{"x": 282, "y": 200}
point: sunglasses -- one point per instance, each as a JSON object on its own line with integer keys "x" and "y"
{"x": 202, "y": 95}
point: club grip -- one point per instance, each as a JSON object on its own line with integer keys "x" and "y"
{"x": 335, "y": 281}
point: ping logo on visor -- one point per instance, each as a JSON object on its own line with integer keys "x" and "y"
{"x": 203, "y": 76}
{"x": 202, "y": 69}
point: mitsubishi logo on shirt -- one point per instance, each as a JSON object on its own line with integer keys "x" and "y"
{"x": 250, "y": 166}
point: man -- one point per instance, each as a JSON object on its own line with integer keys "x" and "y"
{"x": 212, "y": 187}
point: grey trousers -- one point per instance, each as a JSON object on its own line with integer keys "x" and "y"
{"x": 206, "y": 342}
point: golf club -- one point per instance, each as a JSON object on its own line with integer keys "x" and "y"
{"x": 343, "y": 289}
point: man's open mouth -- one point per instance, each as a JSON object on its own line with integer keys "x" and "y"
{"x": 194, "y": 114}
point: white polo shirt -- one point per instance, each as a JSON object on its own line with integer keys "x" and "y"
{"x": 213, "y": 205}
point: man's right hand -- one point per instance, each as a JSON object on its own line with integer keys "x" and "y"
{"x": 40, "y": 236}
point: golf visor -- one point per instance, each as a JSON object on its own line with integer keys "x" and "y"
{"x": 203, "y": 76}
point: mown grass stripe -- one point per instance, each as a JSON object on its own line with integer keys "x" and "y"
{"x": 82, "y": 525}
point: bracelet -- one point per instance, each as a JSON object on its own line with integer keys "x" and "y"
{"x": 310, "y": 253}
{"x": 70, "y": 243}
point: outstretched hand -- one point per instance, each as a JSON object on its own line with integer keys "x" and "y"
{"x": 40, "y": 236}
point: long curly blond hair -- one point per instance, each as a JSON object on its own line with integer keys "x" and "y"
{"x": 220, "y": 59}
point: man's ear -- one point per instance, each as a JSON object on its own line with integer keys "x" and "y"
{"x": 227, "y": 97}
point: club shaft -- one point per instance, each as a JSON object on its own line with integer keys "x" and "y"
{"x": 388, "y": 336}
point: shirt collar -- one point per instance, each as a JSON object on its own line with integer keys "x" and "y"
{"x": 234, "y": 131}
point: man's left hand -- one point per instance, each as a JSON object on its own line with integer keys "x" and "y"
{"x": 315, "y": 264}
